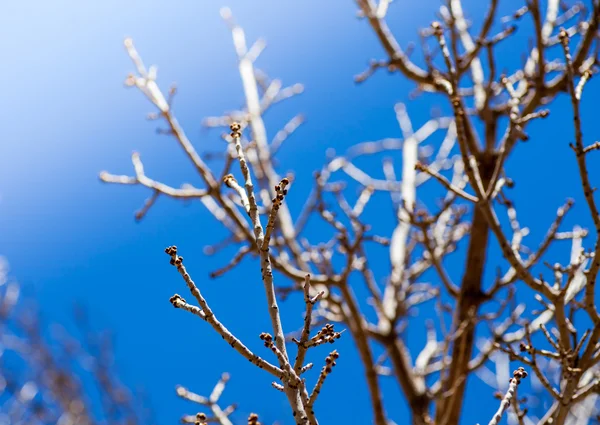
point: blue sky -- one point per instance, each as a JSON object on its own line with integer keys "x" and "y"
{"x": 66, "y": 116}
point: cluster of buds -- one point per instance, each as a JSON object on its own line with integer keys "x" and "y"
{"x": 437, "y": 29}
{"x": 236, "y": 130}
{"x": 326, "y": 334}
{"x": 330, "y": 362}
{"x": 268, "y": 340}
{"x": 176, "y": 260}
{"x": 329, "y": 365}
{"x": 177, "y": 300}
{"x": 519, "y": 374}
{"x": 280, "y": 191}
{"x": 524, "y": 348}
{"x": 563, "y": 36}
{"x": 253, "y": 419}
{"x": 200, "y": 419}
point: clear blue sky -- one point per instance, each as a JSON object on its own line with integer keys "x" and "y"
{"x": 65, "y": 116}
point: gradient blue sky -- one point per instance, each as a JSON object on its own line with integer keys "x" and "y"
{"x": 65, "y": 116}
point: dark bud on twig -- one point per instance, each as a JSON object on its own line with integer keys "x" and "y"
{"x": 253, "y": 419}
{"x": 200, "y": 419}
{"x": 235, "y": 130}
{"x": 176, "y": 300}
{"x": 519, "y": 374}
{"x": 437, "y": 29}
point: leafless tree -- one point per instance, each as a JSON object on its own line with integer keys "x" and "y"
{"x": 56, "y": 377}
{"x": 476, "y": 323}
